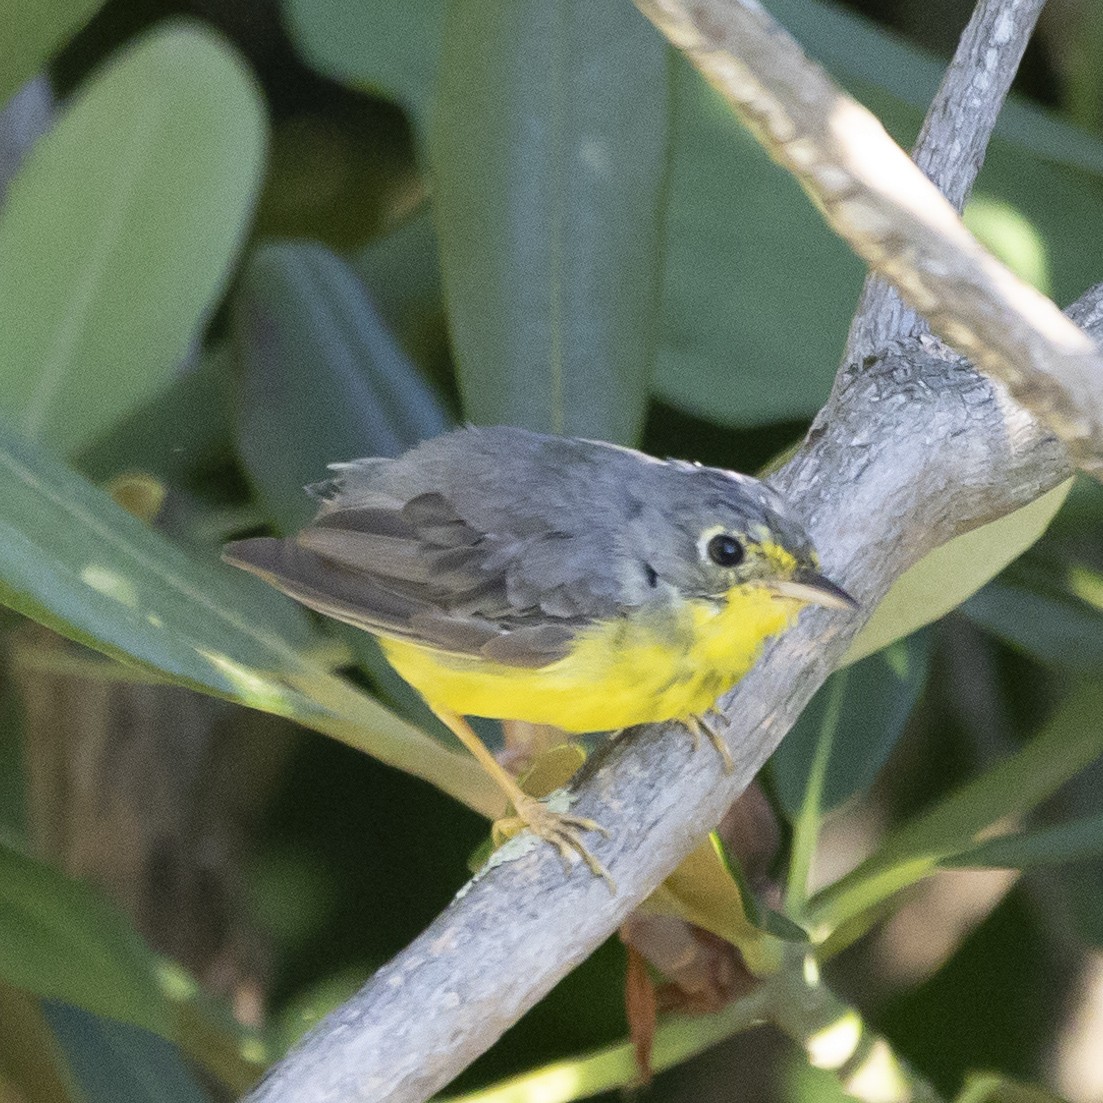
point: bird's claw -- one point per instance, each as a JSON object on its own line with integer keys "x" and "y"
{"x": 561, "y": 829}
{"x": 697, "y": 726}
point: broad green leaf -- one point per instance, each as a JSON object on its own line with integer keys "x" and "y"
{"x": 34, "y": 32}
{"x": 549, "y": 158}
{"x": 1068, "y": 742}
{"x": 1077, "y": 841}
{"x": 879, "y": 695}
{"x": 386, "y": 47}
{"x": 323, "y": 379}
{"x": 59, "y": 938}
{"x": 678, "y": 1038}
{"x": 953, "y": 572}
{"x": 114, "y": 245}
{"x": 113, "y": 1061}
{"x": 72, "y": 559}
{"x": 32, "y": 1065}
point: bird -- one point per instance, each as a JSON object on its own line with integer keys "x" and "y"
{"x": 521, "y": 576}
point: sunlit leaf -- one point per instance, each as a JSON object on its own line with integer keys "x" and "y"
{"x": 549, "y": 153}
{"x": 114, "y": 246}
{"x": 953, "y": 572}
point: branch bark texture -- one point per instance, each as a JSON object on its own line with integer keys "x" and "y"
{"x": 951, "y": 147}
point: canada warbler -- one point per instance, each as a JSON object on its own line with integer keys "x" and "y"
{"x": 514, "y": 575}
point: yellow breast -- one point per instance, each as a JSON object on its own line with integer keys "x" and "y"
{"x": 642, "y": 668}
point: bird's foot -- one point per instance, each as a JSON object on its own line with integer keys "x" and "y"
{"x": 561, "y": 829}
{"x": 697, "y": 726}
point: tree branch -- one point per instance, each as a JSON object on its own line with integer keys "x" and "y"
{"x": 951, "y": 147}
{"x": 892, "y": 216}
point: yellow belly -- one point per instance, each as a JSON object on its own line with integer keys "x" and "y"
{"x": 638, "y": 669}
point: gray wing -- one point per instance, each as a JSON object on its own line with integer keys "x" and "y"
{"x": 472, "y": 544}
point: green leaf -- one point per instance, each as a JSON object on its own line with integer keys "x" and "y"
{"x": 953, "y": 572}
{"x": 321, "y": 372}
{"x": 32, "y": 1065}
{"x": 33, "y": 33}
{"x": 72, "y": 559}
{"x": 322, "y": 381}
{"x": 1069, "y": 741}
{"x": 115, "y": 1061}
{"x": 1044, "y": 616}
{"x": 1077, "y": 841}
{"x": 677, "y": 1039}
{"x": 59, "y": 938}
{"x": 114, "y": 246}
{"x": 549, "y": 151}
{"x": 878, "y": 695}
{"x": 385, "y": 47}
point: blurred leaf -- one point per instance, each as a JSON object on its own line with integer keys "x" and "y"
{"x": 1039, "y": 616}
{"x": 59, "y": 938}
{"x": 879, "y": 695}
{"x": 678, "y": 1038}
{"x": 390, "y": 48}
{"x": 757, "y": 290}
{"x": 1067, "y": 743}
{"x": 951, "y": 573}
{"x": 32, "y": 33}
{"x": 32, "y": 1064}
{"x": 174, "y": 431}
{"x": 1077, "y": 841}
{"x": 402, "y": 273}
{"x": 73, "y": 560}
{"x": 991, "y": 1087}
{"x": 323, "y": 380}
{"x": 115, "y": 247}
{"x": 549, "y": 151}
{"x": 115, "y": 1061}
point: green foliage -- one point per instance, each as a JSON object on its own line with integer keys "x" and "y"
{"x": 95, "y": 225}
{"x": 603, "y": 252}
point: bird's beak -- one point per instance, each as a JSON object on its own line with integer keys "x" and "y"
{"x": 812, "y": 587}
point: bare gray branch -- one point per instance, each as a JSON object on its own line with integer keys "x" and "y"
{"x": 951, "y": 146}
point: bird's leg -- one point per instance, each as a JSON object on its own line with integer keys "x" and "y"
{"x": 697, "y": 726}
{"x": 561, "y": 829}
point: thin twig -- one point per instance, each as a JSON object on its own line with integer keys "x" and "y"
{"x": 951, "y": 146}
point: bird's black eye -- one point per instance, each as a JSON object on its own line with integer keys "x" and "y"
{"x": 725, "y": 550}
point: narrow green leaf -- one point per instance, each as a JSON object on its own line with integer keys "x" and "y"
{"x": 33, "y": 33}
{"x": 549, "y": 157}
{"x": 115, "y": 1061}
{"x": 848, "y": 735}
{"x": 389, "y": 48}
{"x": 72, "y": 559}
{"x": 59, "y": 938}
{"x": 113, "y": 246}
{"x": 1068, "y": 742}
{"x": 1045, "y": 616}
{"x": 1077, "y": 841}
{"x": 678, "y": 1038}
{"x": 323, "y": 380}
{"x": 947, "y": 576}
